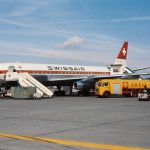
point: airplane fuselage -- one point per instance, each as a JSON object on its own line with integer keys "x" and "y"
{"x": 51, "y": 74}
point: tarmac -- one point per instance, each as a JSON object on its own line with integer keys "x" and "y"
{"x": 75, "y": 123}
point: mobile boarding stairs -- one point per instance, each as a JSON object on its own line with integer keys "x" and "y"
{"x": 26, "y": 80}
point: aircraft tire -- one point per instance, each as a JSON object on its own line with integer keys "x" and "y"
{"x": 59, "y": 93}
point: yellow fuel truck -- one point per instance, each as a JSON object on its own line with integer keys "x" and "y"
{"x": 126, "y": 87}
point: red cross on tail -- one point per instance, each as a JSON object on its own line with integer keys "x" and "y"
{"x": 121, "y": 59}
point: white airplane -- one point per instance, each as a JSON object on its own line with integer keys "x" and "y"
{"x": 82, "y": 77}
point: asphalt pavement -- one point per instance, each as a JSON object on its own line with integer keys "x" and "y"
{"x": 75, "y": 123}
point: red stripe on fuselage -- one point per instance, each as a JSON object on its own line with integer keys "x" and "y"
{"x": 58, "y": 72}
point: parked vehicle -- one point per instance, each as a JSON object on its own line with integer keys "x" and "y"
{"x": 126, "y": 87}
{"x": 144, "y": 95}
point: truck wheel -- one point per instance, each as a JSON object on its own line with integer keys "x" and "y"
{"x": 134, "y": 94}
{"x": 127, "y": 95}
{"x": 106, "y": 94}
{"x": 79, "y": 93}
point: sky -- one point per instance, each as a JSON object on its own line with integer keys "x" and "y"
{"x": 80, "y": 32}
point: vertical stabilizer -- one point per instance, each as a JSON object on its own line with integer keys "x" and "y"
{"x": 121, "y": 59}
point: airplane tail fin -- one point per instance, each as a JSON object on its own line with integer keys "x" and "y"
{"x": 121, "y": 59}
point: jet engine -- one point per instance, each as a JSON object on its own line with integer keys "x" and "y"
{"x": 84, "y": 86}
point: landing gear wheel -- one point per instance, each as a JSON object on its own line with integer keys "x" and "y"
{"x": 59, "y": 93}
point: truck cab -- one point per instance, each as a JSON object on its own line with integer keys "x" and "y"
{"x": 108, "y": 87}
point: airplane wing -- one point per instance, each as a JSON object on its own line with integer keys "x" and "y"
{"x": 122, "y": 76}
{"x": 144, "y": 74}
{"x": 86, "y": 77}
{"x": 134, "y": 70}
{"x": 67, "y": 79}
{"x": 100, "y": 77}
